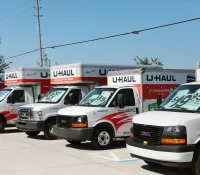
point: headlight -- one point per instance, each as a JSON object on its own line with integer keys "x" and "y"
{"x": 131, "y": 130}
{"x": 174, "y": 135}
{"x": 80, "y": 121}
{"x": 37, "y": 115}
{"x": 175, "y": 129}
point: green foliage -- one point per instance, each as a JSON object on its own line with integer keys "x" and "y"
{"x": 3, "y": 64}
{"x": 146, "y": 61}
{"x": 46, "y": 61}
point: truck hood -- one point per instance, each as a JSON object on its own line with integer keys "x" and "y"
{"x": 41, "y": 106}
{"x": 161, "y": 118}
{"x": 77, "y": 110}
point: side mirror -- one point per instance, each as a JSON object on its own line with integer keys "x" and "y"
{"x": 159, "y": 99}
{"x": 40, "y": 96}
{"x": 70, "y": 99}
{"x": 79, "y": 97}
{"x": 120, "y": 100}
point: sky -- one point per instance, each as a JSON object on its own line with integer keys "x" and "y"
{"x": 66, "y": 21}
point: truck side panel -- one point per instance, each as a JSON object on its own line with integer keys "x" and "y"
{"x": 162, "y": 82}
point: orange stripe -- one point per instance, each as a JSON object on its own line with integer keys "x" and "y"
{"x": 26, "y": 80}
{"x": 78, "y": 79}
{"x": 101, "y": 80}
{"x": 45, "y": 83}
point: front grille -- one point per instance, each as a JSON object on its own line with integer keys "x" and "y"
{"x": 151, "y": 134}
{"x": 25, "y": 114}
{"x": 64, "y": 121}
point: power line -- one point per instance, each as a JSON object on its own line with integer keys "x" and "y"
{"x": 22, "y": 54}
{"x": 122, "y": 34}
{"x": 107, "y": 37}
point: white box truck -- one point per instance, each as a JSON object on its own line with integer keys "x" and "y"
{"x": 170, "y": 135}
{"x": 23, "y": 86}
{"x": 71, "y": 83}
{"x": 107, "y": 111}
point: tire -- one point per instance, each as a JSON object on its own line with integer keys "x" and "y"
{"x": 47, "y": 127}
{"x": 2, "y": 125}
{"x": 32, "y": 133}
{"x": 150, "y": 163}
{"x": 102, "y": 138}
{"x": 74, "y": 142}
{"x": 196, "y": 163}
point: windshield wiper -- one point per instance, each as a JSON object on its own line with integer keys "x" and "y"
{"x": 185, "y": 109}
{"x": 82, "y": 104}
{"x": 160, "y": 107}
{"x": 45, "y": 102}
{"x": 182, "y": 108}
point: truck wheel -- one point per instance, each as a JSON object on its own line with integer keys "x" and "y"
{"x": 196, "y": 163}
{"x": 47, "y": 128}
{"x": 74, "y": 141}
{"x": 2, "y": 125}
{"x": 102, "y": 138}
{"x": 150, "y": 163}
{"x": 32, "y": 133}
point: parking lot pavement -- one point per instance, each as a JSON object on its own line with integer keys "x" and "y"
{"x": 21, "y": 155}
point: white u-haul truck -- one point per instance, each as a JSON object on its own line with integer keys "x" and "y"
{"x": 106, "y": 112}
{"x": 71, "y": 83}
{"x": 170, "y": 135}
{"x": 23, "y": 86}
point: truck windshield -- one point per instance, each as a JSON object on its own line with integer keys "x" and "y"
{"x": 97, "y": 97}
{"x": 184, "y": 98}
{"x": 4, "y": 93}
{"x": 53, "y": 96}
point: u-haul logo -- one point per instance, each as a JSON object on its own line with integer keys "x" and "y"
{"x": 124, "y": 79}
{"x": 63, "y": 73}
{"x": 160, "y": 78}
{"x": 103, "y": 72}
{"x": 13, "y": 75}
{"x": 44, "y": 74}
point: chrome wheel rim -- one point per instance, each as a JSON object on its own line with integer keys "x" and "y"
{"x": 103, "y": 138}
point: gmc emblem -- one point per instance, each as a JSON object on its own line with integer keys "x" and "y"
{"x": 148, "y": 134}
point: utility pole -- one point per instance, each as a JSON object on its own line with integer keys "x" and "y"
{"x": 39, "y": 31}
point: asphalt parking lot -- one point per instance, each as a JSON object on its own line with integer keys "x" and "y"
{"x": 21, "y": 155}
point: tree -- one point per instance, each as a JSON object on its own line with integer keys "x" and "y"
{"x": 46, "y": 61}
{"x": 3, "y": 64}
{"x": 145, "y": 61}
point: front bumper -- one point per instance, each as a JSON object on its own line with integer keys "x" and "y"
{"x": 30, "y": 125}
{"x": 72, "y": 133}
{"x": 167, "y": 155}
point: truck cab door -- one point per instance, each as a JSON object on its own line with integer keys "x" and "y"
{"x": 30, "y": 96}
{"x": 124, "y": 104}
{"x": 16, "y": 99}
{"x": 76, "y": 97}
